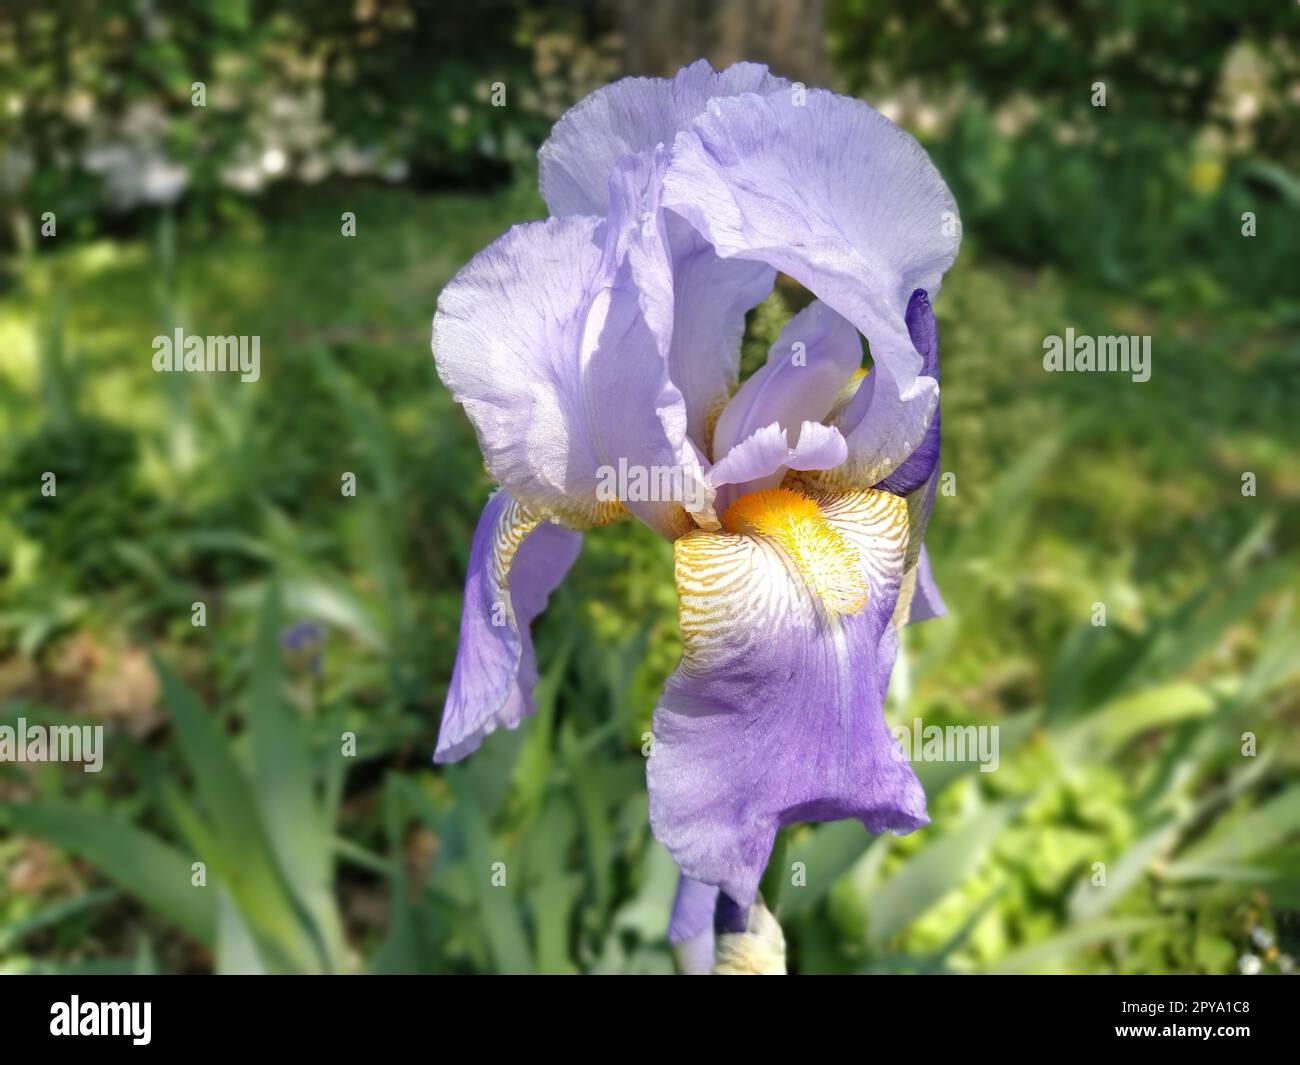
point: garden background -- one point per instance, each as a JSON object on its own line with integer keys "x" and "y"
{"x": 1122, "y": 744}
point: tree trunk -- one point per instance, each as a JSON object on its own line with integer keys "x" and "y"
{"x": 664, "y": 35}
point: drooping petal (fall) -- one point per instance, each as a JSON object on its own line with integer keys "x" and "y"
{"x": 516, "y": 560}
{"x": 774, "y": 714}
{"x": 829, "y": 191}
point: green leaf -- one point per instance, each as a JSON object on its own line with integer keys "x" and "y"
{"x": 285, "y": 785}
{"x": 51, "y": 915}
{"x": 141, "y": 864}
{"x": 89, "y": 967}
{"x": 335, "y": 604}
{"x": 591, "y": 801}
{"x": 827, "y": 853}
{"x": 532, "y": 771}
{"x": 397, "y": 953}
{"x": 1050, "y": 953}
{"x": 932, "y": 872}
{"x": 245, "y": 861}
{"x": 1237, "y": 840}
{"x": 556, "y": 890}
{"x": 498, "y": 912}
{"x": 1120, "y": 720}
{"x": 1088, "y": 901}
{"x": 236, "y": 951}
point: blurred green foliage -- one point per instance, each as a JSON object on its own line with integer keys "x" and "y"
{"x": 108, "y": 107}
{"x": 1200, "y": 123}
{"x": 1120, "y": 744}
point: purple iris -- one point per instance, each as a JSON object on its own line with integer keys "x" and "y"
{"x": 607, "y": 338}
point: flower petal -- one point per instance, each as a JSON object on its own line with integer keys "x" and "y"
{"x": 774, "y": 714}
{"x": 761, "y": 460}
{"x": 693, "y": 907}
{"x": 712, "y": 296}
{"x": 917, "y": 468}
{"x": 920, "y": 504}
{"x": 690, "y": 928}
{"x": 833, "y": 194}
{"x": 546, "y": 341}
{"x": 627, "y": 117}
{"x": 812, "y": 359}
{"x": 926, "y": 601}
{"x": 633, "y": 117}
{"x": 694, "y": 301}
{"x": 515, "y": 561}
{"x": 636, "y": 239}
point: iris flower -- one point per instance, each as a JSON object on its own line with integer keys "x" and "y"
{"x": 607, "y": 337}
